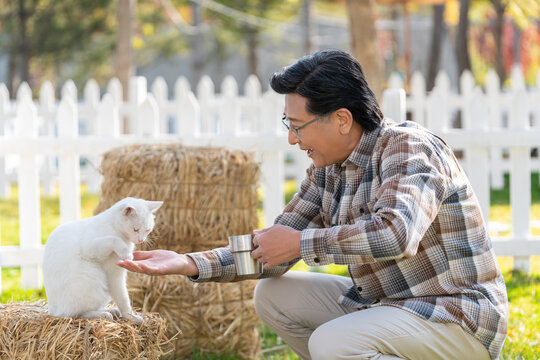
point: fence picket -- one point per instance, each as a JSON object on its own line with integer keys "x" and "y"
{"x": 69, "y": 90}
{"x": 5, "y": 187}
{"x": 47, "y": 112}
{"x": 250, "y": 122}
{"x": 160, "y": 90}
{"x": 205, "y": 95}
{"x": 252, "y": 93}
{"x": 418, "y": 98}
{"x": 148, "y": 118}
{"x": 520, "y": 178}
{"x": 68, "y": 163}
{"x": 26, "y": 128}
{"x": 478, "y": 157}
{"x": 229, "y": 107}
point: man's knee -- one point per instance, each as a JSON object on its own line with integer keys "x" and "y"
{"x": 328, "y": 342}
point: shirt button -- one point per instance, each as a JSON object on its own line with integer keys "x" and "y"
{"x": 316, "y": 260}
{"x": 359, "y": 288}
{"x": 361, "y": 211}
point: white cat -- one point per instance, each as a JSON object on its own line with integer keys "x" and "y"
{"x": 79, "y": 264}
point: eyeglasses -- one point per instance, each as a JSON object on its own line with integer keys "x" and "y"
{"x": 287, "y": 124}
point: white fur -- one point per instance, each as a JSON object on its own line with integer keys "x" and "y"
{"x": 79, "y": 264}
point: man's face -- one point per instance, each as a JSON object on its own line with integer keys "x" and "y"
{"x": 321, "y": 139}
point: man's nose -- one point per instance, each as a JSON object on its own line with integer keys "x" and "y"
{"x": 293, "y": 139}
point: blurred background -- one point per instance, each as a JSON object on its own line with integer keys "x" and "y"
{"x": 44, "y": 40}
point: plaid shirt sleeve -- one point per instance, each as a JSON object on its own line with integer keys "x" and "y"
{"x": 412, "y": 188}
{"x": 301, "y": 212}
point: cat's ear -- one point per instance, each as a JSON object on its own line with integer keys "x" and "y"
{"x": 129, "y": 211}
{"x": 154, "y": 205}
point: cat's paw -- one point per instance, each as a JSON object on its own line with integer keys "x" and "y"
{"x": 132, "y": 316}
{"x": 103, "y": 314}
{"x": 125, "y": 254}
{"x": 115, "y": 312}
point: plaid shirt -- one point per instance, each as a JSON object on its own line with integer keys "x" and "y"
{"x": 402, "y": 214}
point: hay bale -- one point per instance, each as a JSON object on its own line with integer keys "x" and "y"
{"x": 213, "y": 317}
{"x": 28, "y": 332}
{"x": 208, "y": 194}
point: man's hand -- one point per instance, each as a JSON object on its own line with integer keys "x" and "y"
{"x": 276, "y": 244}
{"x": 160, "y": 262}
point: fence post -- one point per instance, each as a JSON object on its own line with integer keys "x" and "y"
{"x": 5, "y": 186}
{"x": 26, "y": 127}
{"x": 68, "y": 163}
{"x": 477, "y": 157}
{"x": 394, "y": 106}
{"x": 520, "y": 177}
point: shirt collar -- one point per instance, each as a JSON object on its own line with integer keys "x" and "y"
{"x": 364, "y": 149}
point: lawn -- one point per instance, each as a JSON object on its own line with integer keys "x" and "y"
{"x": 523, "y": 341}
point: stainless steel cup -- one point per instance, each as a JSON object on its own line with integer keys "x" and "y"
{"x": 241, "y": 246}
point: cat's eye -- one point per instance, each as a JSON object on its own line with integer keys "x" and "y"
{"x": 136, "y": 230}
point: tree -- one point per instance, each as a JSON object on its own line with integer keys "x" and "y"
{"x": 364, "y": 42}
{"x": 435, "y": 48}
{"x": 522, "y": 12}
{"x": 51, "y": 33}
{"x": 462, "y": 41}
{"x": 243, "y": 20}
{"x": 124, "y": 66}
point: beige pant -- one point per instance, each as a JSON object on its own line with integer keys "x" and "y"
{"x": 302, "y": 308}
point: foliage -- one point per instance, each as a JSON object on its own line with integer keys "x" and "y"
{"x": 51, "y": 34}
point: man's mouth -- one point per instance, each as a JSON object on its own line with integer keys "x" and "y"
{"x": 309, "y": 152}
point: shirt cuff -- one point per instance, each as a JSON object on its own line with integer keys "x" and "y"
{"x": 313, "y": 247}
{"x": 208, "y": 264}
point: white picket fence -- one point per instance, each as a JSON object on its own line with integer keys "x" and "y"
{"x": 42, "y": 142}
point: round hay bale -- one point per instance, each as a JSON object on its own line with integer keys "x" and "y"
{"x": 28, "y": 332}
{"x": 208, "y": 194}
{"x": 213, "y": 317}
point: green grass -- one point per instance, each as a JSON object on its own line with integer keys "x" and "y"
{"x": 523, "y": 339}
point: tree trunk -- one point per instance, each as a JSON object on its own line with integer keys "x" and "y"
{"x": 253, "y": 44}
{"x": 124, "y": 64}
{"x": 499, "y": 28}
{"x": 197, "y": 57}
{"x": 364, "y": 42}
{"x": 22, "y": 65}
{"x": 307, "y": 27}
{"x": 462, "y": 44}
{"x": 435, "y": 47}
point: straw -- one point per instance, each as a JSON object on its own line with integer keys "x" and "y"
{"x": 28, "y": 332}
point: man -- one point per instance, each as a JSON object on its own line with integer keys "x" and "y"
{"x": 389, "y": 200}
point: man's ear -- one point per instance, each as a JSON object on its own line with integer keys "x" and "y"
{"x": 345, "y": 120}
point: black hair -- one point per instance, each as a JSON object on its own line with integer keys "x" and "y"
{"x": 330, "y": 80}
